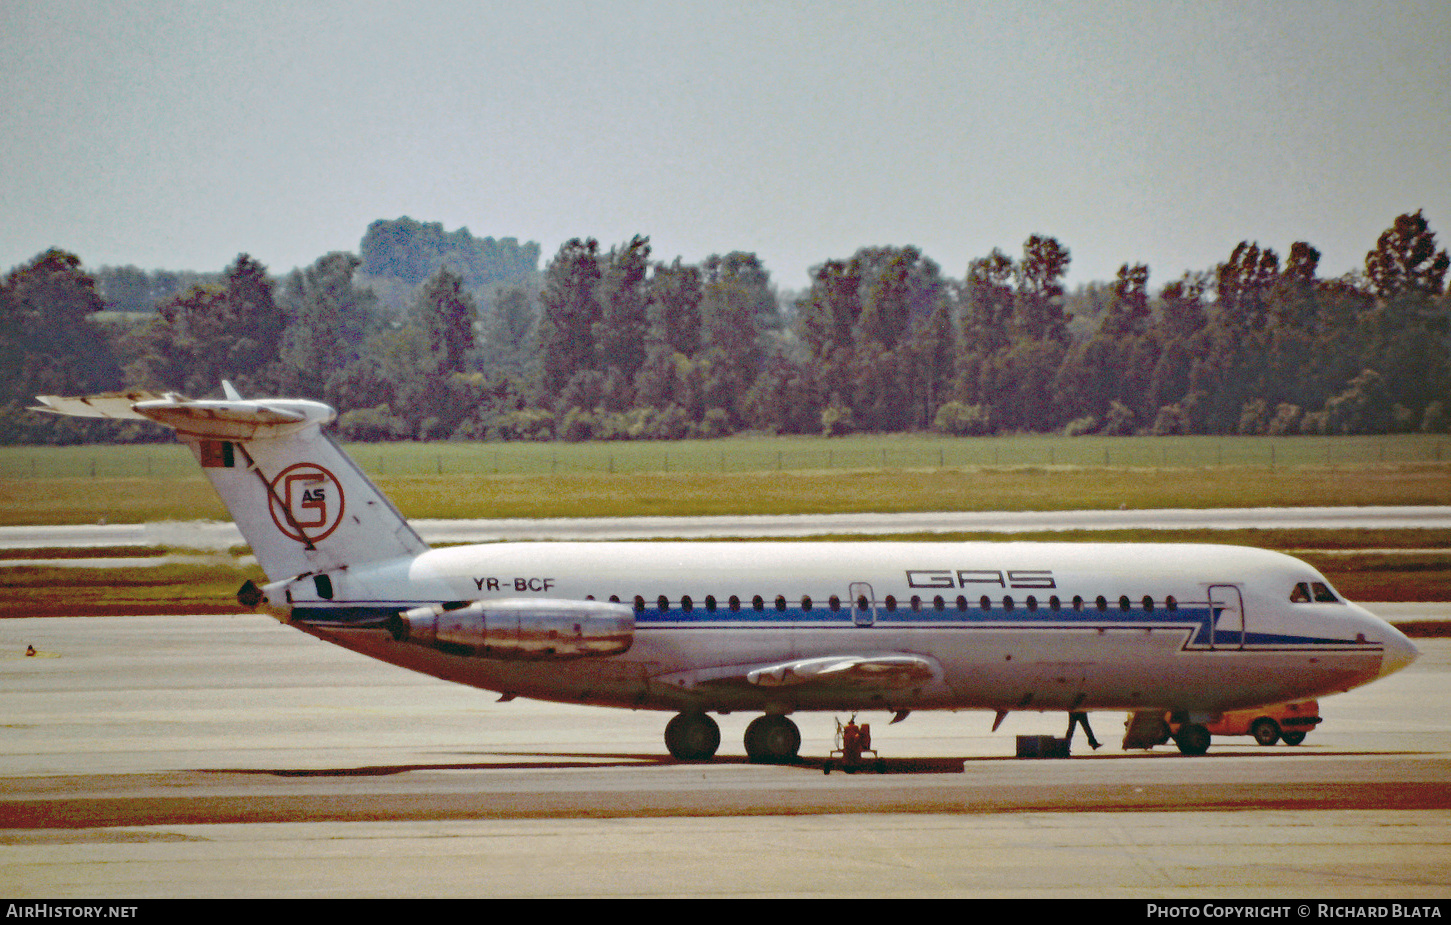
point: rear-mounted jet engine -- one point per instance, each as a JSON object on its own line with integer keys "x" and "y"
{"x": 520, "y": 629}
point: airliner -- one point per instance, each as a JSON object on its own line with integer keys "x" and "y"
{"x": 1179, "y": 630}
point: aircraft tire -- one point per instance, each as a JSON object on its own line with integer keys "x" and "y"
{"x": 1265, "y": 730}
{"x": 772, "y": 740}
{"x": 1292, "y": 738}
{"x": 1192, "y": 739}
{"x": 692, "y": 737}
{"x": 1163, "y": 733}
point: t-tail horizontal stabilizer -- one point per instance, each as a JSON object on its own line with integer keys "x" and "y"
{"x": 301, "y": 502}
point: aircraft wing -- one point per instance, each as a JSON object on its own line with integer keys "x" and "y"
{"x": 885, "y": 672}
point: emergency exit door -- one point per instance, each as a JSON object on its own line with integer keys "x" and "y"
{"x": 863, "y": 604}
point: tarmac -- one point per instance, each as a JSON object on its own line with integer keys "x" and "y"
{"x": 230, "y": 756}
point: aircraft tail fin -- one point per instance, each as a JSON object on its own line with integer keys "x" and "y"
{"x": 301, "y": 503}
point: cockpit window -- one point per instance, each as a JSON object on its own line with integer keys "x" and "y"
{"x": 1317, "y": 591}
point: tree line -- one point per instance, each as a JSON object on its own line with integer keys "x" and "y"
{"x": 427, "y": 335}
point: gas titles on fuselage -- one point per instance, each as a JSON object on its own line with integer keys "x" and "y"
{"x": 952, "y": 579}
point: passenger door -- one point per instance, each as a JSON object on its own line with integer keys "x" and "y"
{"x": 1227, "y": 611}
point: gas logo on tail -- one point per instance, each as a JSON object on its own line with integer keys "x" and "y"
{"x": 307, "y": 502}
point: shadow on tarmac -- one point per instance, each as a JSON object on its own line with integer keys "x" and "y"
{"x": 550, "y": 761}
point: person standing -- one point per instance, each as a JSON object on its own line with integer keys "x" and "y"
{"x": 1076, "y": 719}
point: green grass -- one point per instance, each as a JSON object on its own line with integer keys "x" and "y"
{"x": 138, "y": 500}
{"x": 82, "y": 552}
{"x": 1028, "y": 489}
{"x": 893, "y": 452}
{"x": 50, "y": 591}
{"x": 757, "y": 475}
{"x": 112, "y": 500}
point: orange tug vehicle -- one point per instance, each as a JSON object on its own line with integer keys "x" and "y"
{"x": 1281, "y": 722}
{"x": 1284, "y": 722}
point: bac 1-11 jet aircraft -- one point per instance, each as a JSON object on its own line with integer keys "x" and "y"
{"x": 775, "y": 628}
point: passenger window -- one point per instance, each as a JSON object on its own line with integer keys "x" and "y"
{"x": 1007, "y": 603}
{"x": 1077, "y": 603}
{"x": 1123, "y": 603}
{"x": 1032, "y": 604}
{"x": 735, "y": 604}
{"x": 891, "y": 603}
{"x": 961, "y": 603}
{"x": 1054, "y": 604}
{"x": 710, "y": 603}
{"x": 639, "y": 604}
{"x": 938, "y": 603}
{"x": 686, "y": 604}
{"x": 1301, "y": 594}
{"x": 834, "y": 603}
{"x": 1101, "y": 603}
{"x": 1170, "y": 603}
{"x": 1148, "y": 604}
{"x": 985, "y": 603}
{"x": 1323, "y": 594}
{"x": 805, "y": 603}
{"x": 916, "y": 604}
{"x": 780, "y": 603}
{"x": 758, "y": 603}
{"x": 663, "y": 603}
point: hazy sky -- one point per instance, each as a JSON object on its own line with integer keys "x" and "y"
{"x": 177, "y": 134}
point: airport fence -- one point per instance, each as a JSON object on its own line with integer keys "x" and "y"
{"x": 763, "y": 454}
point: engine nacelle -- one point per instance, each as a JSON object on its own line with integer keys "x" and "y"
{"x": 521, "y": 628}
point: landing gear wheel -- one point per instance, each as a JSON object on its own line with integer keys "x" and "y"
{"x": 1292, "y": 738}
{"x": 692, "y": 737}
{"x": 1265, "y": 730}
{"x": 1192, "y": 739}
{"x": 1160, "y": 735}
{"x": 772, "y": 740}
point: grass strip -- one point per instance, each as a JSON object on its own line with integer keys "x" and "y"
{"x": 140, "y": 500}
{"x": 58, "y": 591}
{"x": 83, "y": 552}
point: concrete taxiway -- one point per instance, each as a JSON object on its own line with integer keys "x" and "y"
{"x": 232, "y": 756}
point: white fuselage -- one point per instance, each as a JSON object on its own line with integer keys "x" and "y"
{"x": 1007, "y": 626}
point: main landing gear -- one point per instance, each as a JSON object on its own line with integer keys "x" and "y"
{"x": 769, "y": 739}
{"x": 772, "y": 740}
{"x": 692, "y": 737}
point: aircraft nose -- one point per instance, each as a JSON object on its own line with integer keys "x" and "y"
{"x": 1399, "y": 652}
